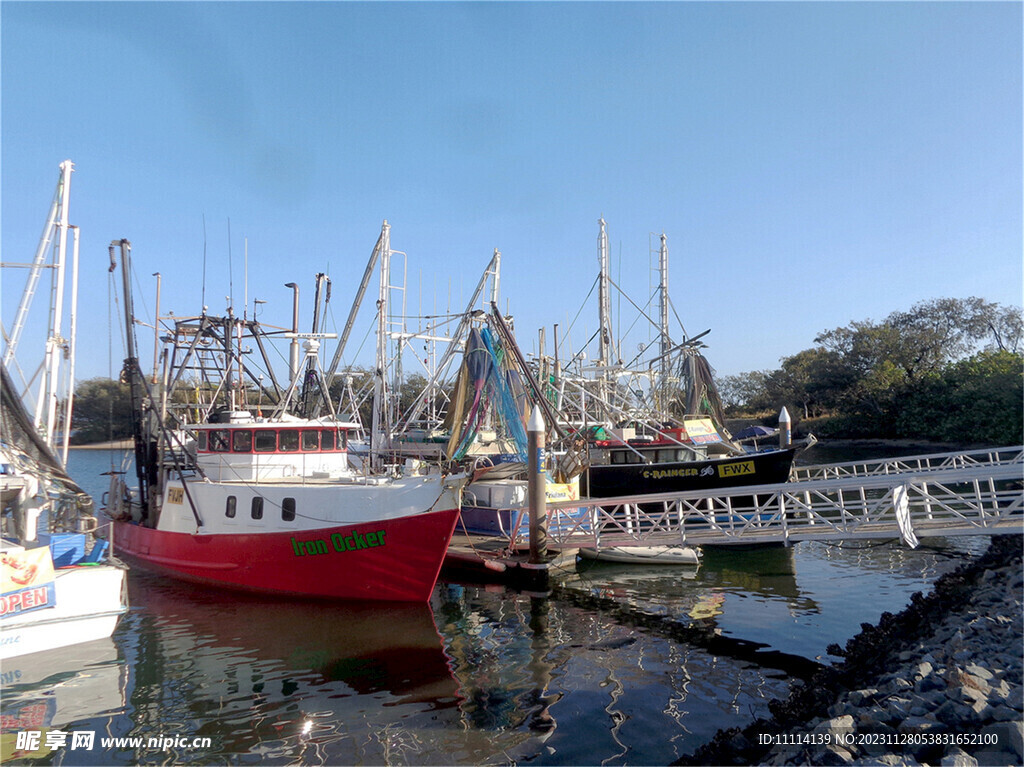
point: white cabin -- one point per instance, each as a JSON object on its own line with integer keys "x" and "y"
{"x": 254, "y": 450}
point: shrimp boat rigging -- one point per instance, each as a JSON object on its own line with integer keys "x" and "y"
{"x": 654, "y": 426}
{"x": 58, "y": 584}
{"x": 487, "y": 404}
{"x": 469, "y": 407}
{"x": 658, "y": 426}
{"x": 245, "y": 488}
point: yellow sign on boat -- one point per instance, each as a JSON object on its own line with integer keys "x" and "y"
{"x": 736, "y": 469}
{"x": 563, "y": 491}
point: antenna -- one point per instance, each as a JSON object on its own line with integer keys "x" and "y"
{"x": 245, "y": 289}
{"x": 231, "y": 274}
{"x": 203, "y": 302}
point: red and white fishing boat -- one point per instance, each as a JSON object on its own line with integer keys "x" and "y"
{"x": 273, "y": 507}
{"x": 268, "y": 503}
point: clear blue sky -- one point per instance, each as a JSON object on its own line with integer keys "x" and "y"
{"x": 811, "y": 163}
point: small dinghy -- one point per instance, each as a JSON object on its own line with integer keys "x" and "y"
{"x": 654, "y": 555}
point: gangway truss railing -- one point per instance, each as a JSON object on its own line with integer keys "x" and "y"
{"x": 966, "y": 496}
{"x": 913, "y": 463}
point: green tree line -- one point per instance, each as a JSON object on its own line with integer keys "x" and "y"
{"x": 947, "y": 370}
{"x": 102, "y": 410}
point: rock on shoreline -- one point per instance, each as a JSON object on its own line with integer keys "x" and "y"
{"x": 938, "y": 684}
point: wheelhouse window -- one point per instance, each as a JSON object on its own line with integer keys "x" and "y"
{"x": 257, "y": 507}
{"x": 310, "y": 440}
{"x": 272, "y": 440}
{"x": 242, "y": 442}
{"x": 288, "y": 440}
{"x": 220, "y": 440}
{"x": 326, "y": 439}
{"x": 266, "y": 440}
{"x": 231, "y": 507}
{"x": 288, "y": 510}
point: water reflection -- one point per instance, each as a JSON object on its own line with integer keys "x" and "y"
{"x": 371, "y": 648}
{"x": 503, "y": 648}
{"x": 282, "y": 679}
{"x": 556, "y": 683}
{"x": 768, "y": 572}
{"x": 700, "y": 592}
{"x": 794, "y": 600}
{"x": 78, "y": 688}
{"x": 482, "y": 675}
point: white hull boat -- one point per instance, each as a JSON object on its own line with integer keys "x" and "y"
{"x": 652, "y": 555}
{"x": 89, "y": 600}
{"x": 57, "y": 587}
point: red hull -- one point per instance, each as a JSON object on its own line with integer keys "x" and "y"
{"x": 394, "y": 560}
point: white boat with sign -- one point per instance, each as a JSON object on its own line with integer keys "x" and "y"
{"x": 58, "y": 586}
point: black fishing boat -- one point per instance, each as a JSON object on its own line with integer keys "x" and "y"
{"x": 643, "y": 468}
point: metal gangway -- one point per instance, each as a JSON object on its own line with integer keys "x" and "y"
{"x": 947, "y": 494}
{"x": 964, "y": 459}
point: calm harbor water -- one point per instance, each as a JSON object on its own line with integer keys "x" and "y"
{"x": 481, "y": 675}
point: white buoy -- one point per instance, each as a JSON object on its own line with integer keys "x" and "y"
{"x": 785, "y": 429}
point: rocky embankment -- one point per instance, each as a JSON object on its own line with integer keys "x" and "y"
{"x": 938, "y": 684}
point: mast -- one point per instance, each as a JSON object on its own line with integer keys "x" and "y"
{"x": 72, "y": 350}
{"x": 604, "y": 313}
{"x": 145, "y": 469}
{"x": 354, "y": 311}
{"x": 321, "y": 279}
{"x": 60, "y": 203}
{"x": 46, "y": 412}
{"x": 604, "y": 298}
{"x": 293, "y": 348}
{"x": 379, "y": 428}
{"x": 663, "y": 304}
{"x": 156, "y": 329}
{"x": 310, "y": 408}
{"x": 229, "y": 360}
{"x": 492, "y": 270}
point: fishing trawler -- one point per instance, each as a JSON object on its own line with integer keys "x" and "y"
{"x": 231, "y": 497}
{"x": 676, "y": 458}
{"x": 657, "y": 425}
